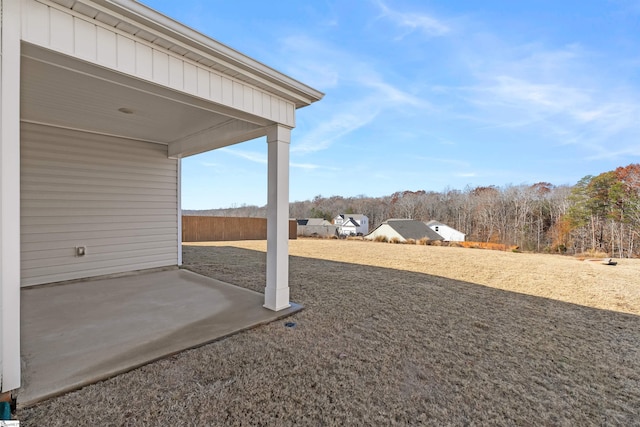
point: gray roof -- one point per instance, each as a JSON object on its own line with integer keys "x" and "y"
{"x": 350, "y": 221}
{"x": 313, "y": 221}
{"x": 357, "y": 217}
{"x": 412, "y": 229}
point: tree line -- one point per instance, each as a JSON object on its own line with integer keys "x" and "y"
{"x": 599, "y": 213}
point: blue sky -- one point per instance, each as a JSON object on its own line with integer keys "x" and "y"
{"x": 430, "y": 94}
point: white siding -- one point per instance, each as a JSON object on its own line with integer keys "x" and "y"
{"x": 117, "y": 197}
{"x": 448, "y": 234}
{"x": 63, "y": 30}
{"x": 386, "y": 231}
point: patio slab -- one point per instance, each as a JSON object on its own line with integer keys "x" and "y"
{"x": 79, "y": 333}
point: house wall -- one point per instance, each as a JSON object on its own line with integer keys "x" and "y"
{"x": 115, "y": 196}
{"x": 386, "y": 231}
{"x": 449, "y": 234}
{"x": 348, "y": 229}
{"x": 453, "y": 235}
{"x": 364, "y": 225}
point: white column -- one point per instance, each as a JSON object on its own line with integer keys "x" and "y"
{"x": 276, "y": 295}
{"x": 10, "y": 195}
{"x": 179, "y": 197}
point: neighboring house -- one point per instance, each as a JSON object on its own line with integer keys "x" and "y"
{"x": 448, "y": 234}
{"x": 99, "y": 102}
{"x": 316, "y": 227}
{"x": 403, "y": 230}
{"x": 352, "y": 224}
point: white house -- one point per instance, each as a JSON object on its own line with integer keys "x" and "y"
{"x": 351, "y": 224}
{"x": 403, "y": 230}
{"x": 448, "y": 234}
{"x": 99, "y": 101}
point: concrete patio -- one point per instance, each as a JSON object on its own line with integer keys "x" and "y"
{"x": 78, "y": 333}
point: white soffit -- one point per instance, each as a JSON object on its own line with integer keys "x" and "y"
{"x": 68, "y": 93}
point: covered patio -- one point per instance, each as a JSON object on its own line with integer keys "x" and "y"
{"x": 78, "y": 333}
{"x": 99, "y": 101}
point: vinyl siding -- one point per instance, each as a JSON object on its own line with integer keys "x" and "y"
{"x": 115, "y": 196}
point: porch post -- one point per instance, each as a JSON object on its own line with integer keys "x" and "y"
{"x": 276, "y": 295}
{"x": 10, "y": 195}
{"x": 179, "y": 196}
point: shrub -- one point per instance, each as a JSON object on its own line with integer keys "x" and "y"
{"x": 423, "y": 241}
{"x": 395, "y": 240}
{"x": 410, "y": 241}
{"x": 593, "y": 253}
{"x": 558, "y": 249}
{"x": 382, "y": 239}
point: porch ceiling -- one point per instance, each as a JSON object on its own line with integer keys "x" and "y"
{"x": 65, "y": 92}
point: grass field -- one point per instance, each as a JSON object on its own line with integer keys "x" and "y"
{"x": 568, "y": 279}
{"x": 397, "y": 335}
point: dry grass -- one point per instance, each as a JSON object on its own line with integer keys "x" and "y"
{"x": 397, "y": 335}
{"x": 557, "y": 277}
{"x": 592, "y": 254}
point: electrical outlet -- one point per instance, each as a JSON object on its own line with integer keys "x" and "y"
{"x": 81, "y": 251}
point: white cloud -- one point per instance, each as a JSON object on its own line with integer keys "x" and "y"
{"x": 614, "y": 152}
{"x": 342, "y": 122}
{"x": 306, "y": 166}
{"x": 261, "y": 158}
{"x": 326, "y": 66}
{"x": 210, "y": 164}
{"x": 413, "y": 21}
{"x": 364, "y": 93}
{"x": 560, "y": 94}
{"x": 578, "y": 114}
{"x": 247, "y": 155}
{"x": 390, "y": 93}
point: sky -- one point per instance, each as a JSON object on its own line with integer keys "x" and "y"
{"x": 429, "y": 95}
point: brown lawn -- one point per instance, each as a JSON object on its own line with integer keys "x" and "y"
{"x": 568, "y": 279}
{"x": 396, "y": 335}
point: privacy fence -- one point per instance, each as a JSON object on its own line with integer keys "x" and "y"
{"x": 217, "y": 228}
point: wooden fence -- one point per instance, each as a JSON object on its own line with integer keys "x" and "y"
{"x": 217, "y": 228}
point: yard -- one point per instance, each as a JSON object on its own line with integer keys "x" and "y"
{"x": 396, "y": 334}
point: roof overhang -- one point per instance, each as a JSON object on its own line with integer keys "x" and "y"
{"x": 105, "y": 66}
{"x": 142, "y": 21}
